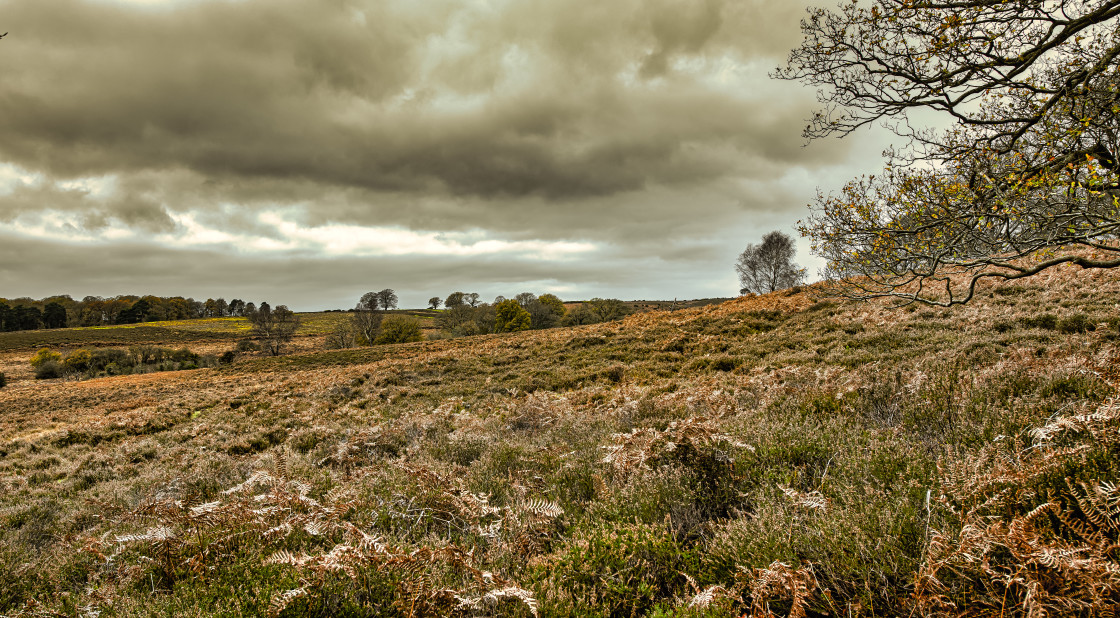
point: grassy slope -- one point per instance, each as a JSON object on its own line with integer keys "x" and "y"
{"x": 684, "y": 450}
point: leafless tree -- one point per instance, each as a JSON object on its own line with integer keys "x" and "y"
{"x": 274, "y": 327}
{"x": 769, "y": 266}
{"x": 387, "y": 299}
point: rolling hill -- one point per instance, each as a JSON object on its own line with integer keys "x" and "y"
{"x": 774, "y": 455}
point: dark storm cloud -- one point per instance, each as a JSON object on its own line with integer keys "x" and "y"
{"x": 645, "y": 127}
{"x": 367, "y": 94}
{"x": 128, "y": 208}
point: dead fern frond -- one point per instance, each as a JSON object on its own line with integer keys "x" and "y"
{"x": 812, "y": 500}
{"x": 1060, "y": 557}
{"x": 512, "y": 592}
{"x": 782, "y": 582}
{"x": 281, "y": 601}
{"x": 708, "y": 596}
{"x": 641, "y": 449}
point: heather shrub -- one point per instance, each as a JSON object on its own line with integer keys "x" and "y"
{"x": 1077, "y": 323}
{"x": 620, "y": 570}
{"x": 1046, "y": 321}
{"x": 48, "y": 370}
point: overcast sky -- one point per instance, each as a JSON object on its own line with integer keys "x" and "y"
{"x": 304, "y": 152}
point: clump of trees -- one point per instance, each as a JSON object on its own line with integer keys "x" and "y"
{"x": 274, "y": 328}
{"x": 370, "y": 324}
{"x": 1028, "y": 176}
{"x": 97, "y": 362}
{"x": 768, "y": 266}
{"x": 466, "y": 315}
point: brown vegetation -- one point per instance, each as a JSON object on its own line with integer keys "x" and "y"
{"x": 772, "y": 455}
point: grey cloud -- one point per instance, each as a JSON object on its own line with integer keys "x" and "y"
{"x": 130, "y": 209}
{"x": 685, "y": 26}
{"x": 283, "y": 89}
{"x": 516, "y": 120}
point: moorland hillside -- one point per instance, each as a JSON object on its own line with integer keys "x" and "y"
{"x": 773, "y": 455}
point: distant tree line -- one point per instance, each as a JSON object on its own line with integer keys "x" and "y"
{"x": 465, "y": 314}
{"x": 63, "y": 311}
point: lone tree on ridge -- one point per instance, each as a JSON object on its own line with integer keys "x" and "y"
{"x": 769, "y": 266}
{"x": 387, "y": 298}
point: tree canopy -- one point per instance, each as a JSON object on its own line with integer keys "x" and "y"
{"x": 510, "y": 316}
{"x": 387, "y": 298}
{"x": 1025, "y": 179}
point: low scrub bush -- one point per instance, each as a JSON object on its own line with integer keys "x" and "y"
{"x": 114, "y": 361}
{"x": 1046, "y": 321}
{"x": 45, "y": 355}
{"x": 1077, "y": 323}
{"x": 78, "y": 360}
{"x": 49, "y": 370}
{"x": 399, "y": 329}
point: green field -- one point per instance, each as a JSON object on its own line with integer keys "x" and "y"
{"x": 176, "y": 332}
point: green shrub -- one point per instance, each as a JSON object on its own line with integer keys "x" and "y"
{"x": 78, "y": 360}
{"x": 146, "y": 354}
{"x": 48, "y": 370}
{"x": 511, "y": 317}
{"x": 184, "y": 356}
{"x": 227, "y": 357}
{"x": 3, "y": 380}
{"x": 622, "y": 571}
{"x": 399, "y": 329}
{"x": 44, "y": 355}
{"x": 102, "y": 359}
{"x": 247, "y": 345}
